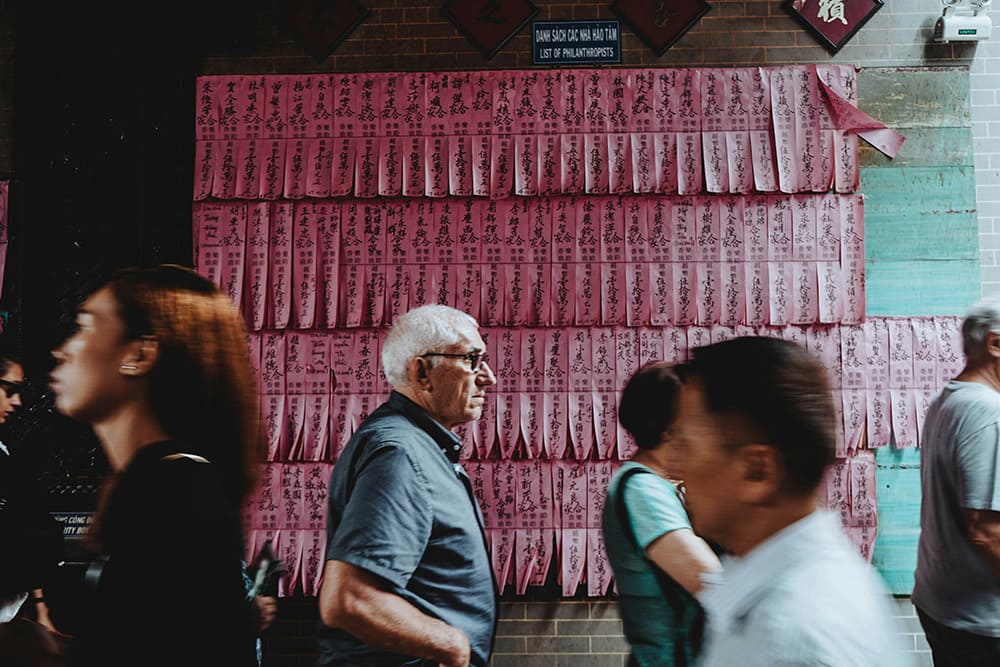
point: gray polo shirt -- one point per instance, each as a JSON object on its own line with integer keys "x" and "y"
{"x": 959, "y": 468}
{"x": 402, "y": 508}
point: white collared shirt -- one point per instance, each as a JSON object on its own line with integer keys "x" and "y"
{"x": 803, "y": 597}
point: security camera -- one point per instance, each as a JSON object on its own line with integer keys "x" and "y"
{"x": 961, "y": 21}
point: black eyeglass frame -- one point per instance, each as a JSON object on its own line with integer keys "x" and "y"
{"x": 475, "y": 359}
{"x": 12, "y": 389}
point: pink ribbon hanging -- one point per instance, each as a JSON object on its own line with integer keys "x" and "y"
{"x": 437, "y": 127}
{"x": 805, "y": 306}
{"x": 599, "y": 572}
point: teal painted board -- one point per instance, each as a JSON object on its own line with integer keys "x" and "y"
{"x": 921, "y": 240}
{"x": 897, "y": 474}
{"x": 920, "y": 212}
{"x": 923, "y": 146}
{"x": 908, "y": 288}
{"x": 904, "y": 97}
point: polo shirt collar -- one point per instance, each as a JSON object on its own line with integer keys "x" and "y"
{"x": 447, "y": 442}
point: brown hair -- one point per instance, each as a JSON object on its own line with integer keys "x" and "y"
{"x": 202, "y": 388}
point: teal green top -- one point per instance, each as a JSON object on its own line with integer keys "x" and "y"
{"x": 655, "y": 509}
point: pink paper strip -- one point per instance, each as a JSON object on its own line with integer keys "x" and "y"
{"x": 280, "y": 265}
{"x": 852, "y": 119}
{"x": 539, "y": 269}
{"x": 272, "y": 367}
{"x": 713, "y": 139}
{"x": 342, "y": 387}
{"x": 573, "y": 507}
{"x": 581, "y": 417}
{"x": 757, "y": 280}
{"x": 878, "y": 381}
{"x": 328, "y": 261}
{"x": 554, "y": 397}
{"x": 811, "y": 176}
{"x": 784, "y": 126}
{"x": 605, "y": 387}
{"x": 950, "y": 357}
{"x": 599, "y": 572}
{"x": 853, "y": 257}
{"x": 904, "y": 417}
{"x": 587, "y": 269}
{"x": 305, "y": 232}
{"x": 508, "y": 391}
{"x": 295, "y": 400}
{"x": 637, "y": 269}
{"x": 843, "y": 81}
{"x": 563, "y": 258}
{"x": 468, "y": 274}
{"x": 532, "y": 373}
{"x": 765, "y": 174}
{"x": 502, "y": 532}
{"x": 684, "y": 215}
{"x": 612, "y": 255}
{"x": 315, "y": 434}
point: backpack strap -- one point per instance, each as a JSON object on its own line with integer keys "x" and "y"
{"x": 676, "y": 595}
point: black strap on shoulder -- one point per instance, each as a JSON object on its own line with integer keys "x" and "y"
{"x": 676, "y": 595}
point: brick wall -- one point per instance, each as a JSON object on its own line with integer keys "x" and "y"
{"x": 575, "y": 633}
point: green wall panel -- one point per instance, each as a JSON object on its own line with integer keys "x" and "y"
{"x": 921, "y": 252}
{"x": 898, "y": 491}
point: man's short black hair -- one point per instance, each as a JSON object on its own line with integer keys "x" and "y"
{"x": 775, "y": 392}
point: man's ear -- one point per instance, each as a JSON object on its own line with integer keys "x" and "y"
{"x": 418, "y": 372}
{"x": 141, "y": 357}
{"x": 762, "y": 473}
{"x": 993, "y": 345}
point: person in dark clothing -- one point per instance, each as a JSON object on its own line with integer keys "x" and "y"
{"x": 160, "y": 368}
{"x": 33, "y": 543}
{"x": 407, "y": 580}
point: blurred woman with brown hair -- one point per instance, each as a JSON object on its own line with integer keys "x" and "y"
{"x": 159, "y": 367}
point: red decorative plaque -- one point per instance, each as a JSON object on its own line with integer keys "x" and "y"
{"x": 834, "y": 22}
{"x": 489, "y": 24}
{"x": 319, "y": 26}
{"x": 662, "y": 24}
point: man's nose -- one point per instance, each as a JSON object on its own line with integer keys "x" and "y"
{"x": 16, "y": 400}
{"x": 486, "y": 375}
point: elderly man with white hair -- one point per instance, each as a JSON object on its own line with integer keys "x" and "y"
{"x": 407, "y": 579}
{"x": 957, "y": 580}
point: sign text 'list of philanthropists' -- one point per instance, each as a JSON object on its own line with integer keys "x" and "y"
{"x": 561, "y": 42}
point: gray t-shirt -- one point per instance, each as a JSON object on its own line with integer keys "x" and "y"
{"x": 959, "y": 468}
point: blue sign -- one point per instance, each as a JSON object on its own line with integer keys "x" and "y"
{"x": 575, "y": 42}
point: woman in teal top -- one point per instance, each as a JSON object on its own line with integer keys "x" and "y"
{"x": 656, "y": 557}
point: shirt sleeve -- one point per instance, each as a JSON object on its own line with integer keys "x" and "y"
{"x": 654, "y": 508}
{"x": 978, "y": 458}
{"x": 387, "y": 521}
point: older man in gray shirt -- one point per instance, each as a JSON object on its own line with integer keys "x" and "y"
{"x": 957, "y": 587}
{"x": 408, "y": 581}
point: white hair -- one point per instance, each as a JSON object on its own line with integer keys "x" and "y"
{"x": 981, "y": 320}
{"x": 424, "y": 329}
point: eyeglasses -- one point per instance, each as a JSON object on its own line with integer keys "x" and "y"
{"x": 475, "y": 359}
{"x": 12, "y": 389}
